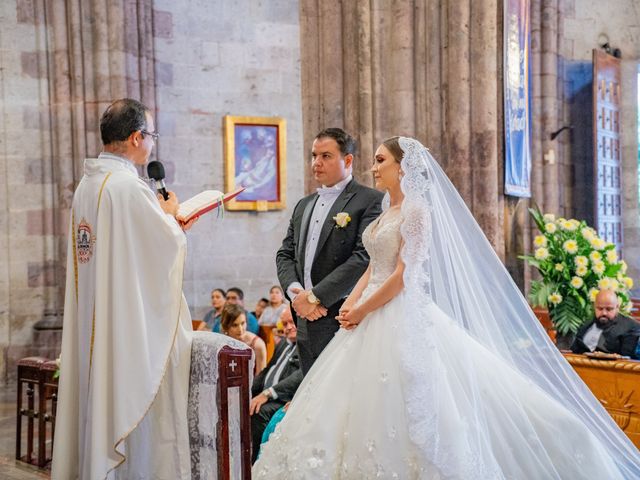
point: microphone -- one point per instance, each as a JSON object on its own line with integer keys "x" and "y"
{"x": 155, "y": 170}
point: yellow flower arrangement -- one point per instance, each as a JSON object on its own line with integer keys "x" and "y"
{"x": 574, "y": 264}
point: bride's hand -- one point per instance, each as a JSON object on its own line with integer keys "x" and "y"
{"x": 349, "y": 318}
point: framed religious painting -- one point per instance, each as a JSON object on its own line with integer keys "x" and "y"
{"x": 255, "y": 158}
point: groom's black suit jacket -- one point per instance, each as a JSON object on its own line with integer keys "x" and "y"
{"x": 340, "y": 260}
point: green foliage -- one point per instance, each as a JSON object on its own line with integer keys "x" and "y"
{"x": 540, "y": 292}
{"x": 567, "y": 316}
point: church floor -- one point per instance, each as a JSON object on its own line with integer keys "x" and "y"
{"x": 9, "y": 468}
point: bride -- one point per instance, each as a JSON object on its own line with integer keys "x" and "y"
{"x": 440, "y": 369}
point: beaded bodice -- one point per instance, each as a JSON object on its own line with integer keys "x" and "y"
{"x": 382, "y": 239}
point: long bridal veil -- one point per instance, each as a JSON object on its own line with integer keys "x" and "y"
{"x": 450, "y": 262}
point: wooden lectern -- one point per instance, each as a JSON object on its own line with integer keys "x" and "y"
{"x": 234, "y": 371}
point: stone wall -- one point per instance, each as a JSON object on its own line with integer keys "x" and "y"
{"x": 216, "y": 58}
{"x": 29, "y": 232}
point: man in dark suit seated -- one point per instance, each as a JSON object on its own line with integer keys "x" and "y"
{"x": 277, "y": 383}
{"x": 608, "y": 332}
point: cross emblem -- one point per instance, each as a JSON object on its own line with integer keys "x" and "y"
{"x": 233, "y": 366}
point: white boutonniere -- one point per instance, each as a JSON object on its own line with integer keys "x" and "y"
{"x": 342, "y": 219}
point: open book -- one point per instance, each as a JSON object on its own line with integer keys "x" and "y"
{"x": 205, "y": 202}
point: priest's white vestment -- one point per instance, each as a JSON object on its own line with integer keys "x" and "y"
{"x": 122, "y": 411}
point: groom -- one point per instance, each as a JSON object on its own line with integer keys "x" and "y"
{"x": 322, "y": 256}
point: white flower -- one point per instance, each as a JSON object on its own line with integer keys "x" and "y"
{"x": 559, "y": 267}
{"x": 577, "y": 282}
{"x": 581, "y": 261}
{"x": 582, "y": 270}
{"x": 570, "y": 246}
{"x": 555, "y": 298}
{"x": 595, "y": 256}
{"x": 570, "y": 225}
{"x": 588, "y": 233}
{"x": 540, "y": 241}
{"x": 593, "y": 292}
{"x": 623, "y": 269}
{"x": 628, "y": 282}
{"x": 598, "y": 268}
{"x": 541, "y": 253}
{"x": 549, "y": 217}
{"x": 597, "y": 243}
{"x": 612, "y": 256}
{"x": 342, "y": 219}
{"x": 550, "y": 228}
{"x": 604, "y": 283}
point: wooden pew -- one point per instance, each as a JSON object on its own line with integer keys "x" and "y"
{"x": 266, "y": 334}
{"x": 616, "y": 383}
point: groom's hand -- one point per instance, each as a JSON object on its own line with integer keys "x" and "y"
{"x": 305, "y": 309}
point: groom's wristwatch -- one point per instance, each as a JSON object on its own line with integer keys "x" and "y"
{"x": 311, "y": 298}
{"x": 267, "y": 393}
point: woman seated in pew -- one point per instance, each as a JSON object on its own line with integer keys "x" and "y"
{"x": 234, "y": 324}
{"x": 272, "y": 312}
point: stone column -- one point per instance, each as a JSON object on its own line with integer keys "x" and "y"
{"x": 98, "y": 52}
{"x": 425, "y": 68}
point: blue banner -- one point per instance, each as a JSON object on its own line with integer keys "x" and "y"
{"x": 517, "y": 98}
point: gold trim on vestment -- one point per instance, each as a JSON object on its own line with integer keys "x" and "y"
{"x": 93, "y": 320}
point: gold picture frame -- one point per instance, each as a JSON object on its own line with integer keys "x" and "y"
{"x": 255, "y": 156}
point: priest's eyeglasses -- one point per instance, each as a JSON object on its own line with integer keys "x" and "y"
{"x": 154, "y": 135}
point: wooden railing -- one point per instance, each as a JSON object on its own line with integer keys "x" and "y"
{"x": 616, "y": 384}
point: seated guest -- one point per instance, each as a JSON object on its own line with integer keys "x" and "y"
{"x": 235, "y": 296}
{"x": 276, "y": 305}
{"x": 234, "y": 324}
{"x": 608, "y": 332}
{"x": 218, "y": 297}
{"x": 260, "y": 306}
{"x": 276, "y": 384}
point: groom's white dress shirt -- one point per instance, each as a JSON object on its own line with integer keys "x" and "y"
{"x": 327, "y": 196}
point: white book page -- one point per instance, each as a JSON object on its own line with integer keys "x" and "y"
{"x": 198, "y": 202}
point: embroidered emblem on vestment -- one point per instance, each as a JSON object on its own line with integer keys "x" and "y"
{"x": 84, "y": 241}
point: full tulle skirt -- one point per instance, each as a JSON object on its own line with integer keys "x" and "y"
{"x": 350, "y": 417}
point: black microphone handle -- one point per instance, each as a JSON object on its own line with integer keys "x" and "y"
{"x": 161, "y": 189}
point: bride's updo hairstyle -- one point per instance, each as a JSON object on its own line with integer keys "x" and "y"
{"x": 393, "y": 145}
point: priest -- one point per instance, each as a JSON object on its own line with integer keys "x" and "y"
{"x": 122, "y": 411}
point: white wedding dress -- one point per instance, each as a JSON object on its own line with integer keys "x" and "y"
{"x": 349, "y": 419}
{"x": 454, "y": 378}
